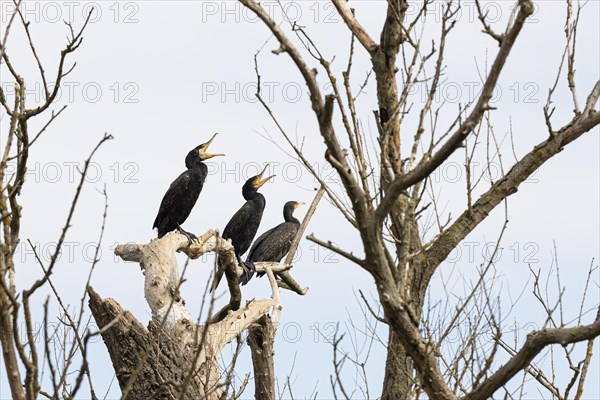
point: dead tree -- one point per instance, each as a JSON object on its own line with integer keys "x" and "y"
{"x": 177, "y": 358}
{"x": 383, "y": 199}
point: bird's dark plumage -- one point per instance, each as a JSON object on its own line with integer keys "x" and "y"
{"x": 179, "y": 200}
{"x": 183, "y": 193}
{"x": 275, "y": 243}
{"x": 242, "y": 227}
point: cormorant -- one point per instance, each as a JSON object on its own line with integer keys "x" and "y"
{"x": 275, "y": 243}
{"x": 242, "y": 227}
{"x": 183, "y": 193}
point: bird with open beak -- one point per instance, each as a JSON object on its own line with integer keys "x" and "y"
{"x": 180, "y": 198}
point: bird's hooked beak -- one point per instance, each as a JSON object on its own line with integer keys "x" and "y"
{"x": 260, "y": 180}
{"x": 205, "y": 155}
{"x": 298, "y": 204}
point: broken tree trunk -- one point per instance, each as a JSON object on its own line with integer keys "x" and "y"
{"x": 175, "y": 358}
{"x": 261, "y": 337}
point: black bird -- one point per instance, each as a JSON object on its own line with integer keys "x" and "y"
{"x": 275, "y": 243}
{"x": 183, "y": 193}
{"x": 242, "y": 227}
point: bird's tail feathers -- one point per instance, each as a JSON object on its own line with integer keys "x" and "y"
{"x": 248, "y": 273}
{"x": 161, "y": 224}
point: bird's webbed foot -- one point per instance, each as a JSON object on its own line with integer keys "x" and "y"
{"x": 248, "y": 271}
{"x": 190, "y": 236}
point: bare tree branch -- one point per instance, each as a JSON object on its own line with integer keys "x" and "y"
{"x": 440, "y": 247}
{"x": 355, "y": 27}
{"x": 535, "y": 343}
{"x": 424, "y": 168}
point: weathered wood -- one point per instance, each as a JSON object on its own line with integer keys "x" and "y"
{"x": 175, "y": 358}
{"x": 261, "y": 337}
{"x": 149, "y": 354}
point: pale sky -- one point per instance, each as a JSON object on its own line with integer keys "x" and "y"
{"x": 163, "y": 76}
